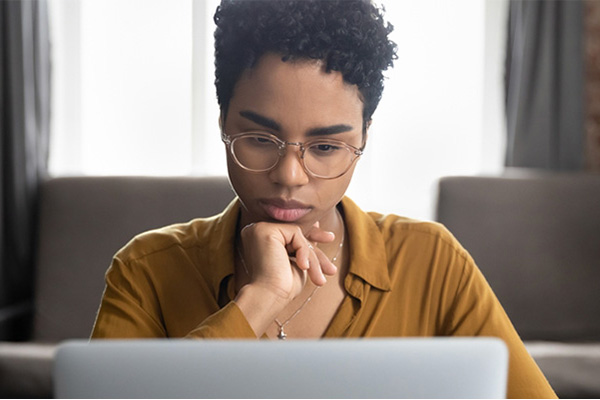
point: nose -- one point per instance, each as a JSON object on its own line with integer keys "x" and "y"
{"x": 289, "y": 170}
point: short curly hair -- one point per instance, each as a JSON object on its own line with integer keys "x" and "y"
{"x": 349, "y": 36}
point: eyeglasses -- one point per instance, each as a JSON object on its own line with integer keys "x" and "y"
{"x": 321, "y": 158}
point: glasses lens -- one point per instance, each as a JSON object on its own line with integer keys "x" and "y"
{"x": 328, "y": 159}
{"x": 255, "y": 152}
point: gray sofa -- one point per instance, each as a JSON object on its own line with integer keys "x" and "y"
{"x": 83, "y": 222}
{"x": 536, "y": 237}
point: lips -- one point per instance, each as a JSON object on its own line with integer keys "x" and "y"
{"x": 285, "y": 210}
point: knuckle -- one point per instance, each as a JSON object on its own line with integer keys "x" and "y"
{"x": 254, "y": 229}
{"x": 248, "y": 228}
{"x": 260, "y": 226}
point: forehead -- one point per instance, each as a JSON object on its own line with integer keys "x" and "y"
{"x": 297, "y": 94}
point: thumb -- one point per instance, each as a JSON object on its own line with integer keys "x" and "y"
{"x": 316, "y": 234}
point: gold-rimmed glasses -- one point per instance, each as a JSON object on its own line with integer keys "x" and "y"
{"x": 321, "y": 158}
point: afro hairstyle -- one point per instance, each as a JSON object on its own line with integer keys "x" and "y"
{"x": 348, "y": 36}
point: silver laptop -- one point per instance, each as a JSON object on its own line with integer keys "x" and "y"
{"x": 329, "y": 368}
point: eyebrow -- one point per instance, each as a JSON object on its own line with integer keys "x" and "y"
{"x": 272, "y": 124}
{"x": 261, "y": 120}
{"x": 329, "y": 130}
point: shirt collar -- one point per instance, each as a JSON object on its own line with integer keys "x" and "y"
{"x": 368, "y": 259}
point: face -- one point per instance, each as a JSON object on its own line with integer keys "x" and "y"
{"x": 297, "y": 102}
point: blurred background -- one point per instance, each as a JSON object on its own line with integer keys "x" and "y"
{"x": 133, "y": 94}
{"x": 99, "y": 89}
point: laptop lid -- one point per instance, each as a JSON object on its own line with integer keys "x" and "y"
{"x": 329, "y": 368}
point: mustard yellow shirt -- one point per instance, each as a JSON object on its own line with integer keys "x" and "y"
{"x": 406, "y": 278}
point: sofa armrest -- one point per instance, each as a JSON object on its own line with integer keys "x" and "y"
{"x": 15, "y": 321}
{"x": 26, "y": 370}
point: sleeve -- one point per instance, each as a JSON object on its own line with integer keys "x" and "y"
{"x": 477, "y": 312}
{"x": 130, "y": 308}
{"x": 229, "y": 322}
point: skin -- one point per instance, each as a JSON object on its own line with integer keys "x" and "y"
{"x": 286, "y": 211}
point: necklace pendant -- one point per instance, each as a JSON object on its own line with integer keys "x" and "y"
{"x": 281, "y": 335}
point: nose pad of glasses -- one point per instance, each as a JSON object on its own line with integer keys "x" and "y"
{"x": 282, "y": 150}
{"x": 283, "y": 147}
{"x": 290, "y": 167}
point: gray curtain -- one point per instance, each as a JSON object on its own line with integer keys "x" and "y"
{"x": 545, "y": 84}
{"x": 24, "y": 121}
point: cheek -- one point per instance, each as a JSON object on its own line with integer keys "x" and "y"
{"x": 331, "y": 192}
{"x": 236, "y": 177}
{"x": 344, "y": 181}
{"x": 245, "y": 184}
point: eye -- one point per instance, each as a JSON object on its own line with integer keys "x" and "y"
{"x": 259, "y": 141}
{"x": 324, "y": 149}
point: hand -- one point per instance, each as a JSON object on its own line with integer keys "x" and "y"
{"x": 268, "y": 248}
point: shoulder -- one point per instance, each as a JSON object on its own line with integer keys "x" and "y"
{"x": 173, "y": 238}
{"x": 423, "y": 251}
{"x": 424, "y": 258}
{"x": 399, "y": 237}
{"x": 208, "y": 234}
{"x": 403, "y": 231}
{"x": 163, "y": 258}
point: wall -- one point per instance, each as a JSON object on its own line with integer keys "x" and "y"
{"x": 592, "y": 89}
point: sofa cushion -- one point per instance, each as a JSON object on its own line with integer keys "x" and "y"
{"x": 85, "y": 220}
{"x": 26, "y": 370}
{"x": 536, "y": 238}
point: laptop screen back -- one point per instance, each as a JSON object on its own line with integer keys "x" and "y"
{"x": 340, "y": 368}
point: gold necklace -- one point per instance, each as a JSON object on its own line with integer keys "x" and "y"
{"x": 281, "y": 335}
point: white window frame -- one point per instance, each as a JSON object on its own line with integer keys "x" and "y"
{"x": 382, "y": 182}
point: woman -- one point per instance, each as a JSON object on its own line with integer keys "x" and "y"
{"x": 291, "y": 257}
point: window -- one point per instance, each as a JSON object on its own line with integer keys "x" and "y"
{"x": 134, "y": 95}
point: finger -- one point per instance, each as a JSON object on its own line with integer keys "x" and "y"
{"x": 315, "y": 273}
{"x": 294, "y": 239}
{"x": 306, "y": 257}
{"x": 326, "y": 265}
{"x": 306, "y": 254}
{"x": 316, "y": 234}
{"x": 301, "y": 274}
{"x": 308, "y": 260}
{"x": 301, "y": 262}
{"x": 260, "y": 239}
{"x": 319, "y": 235}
